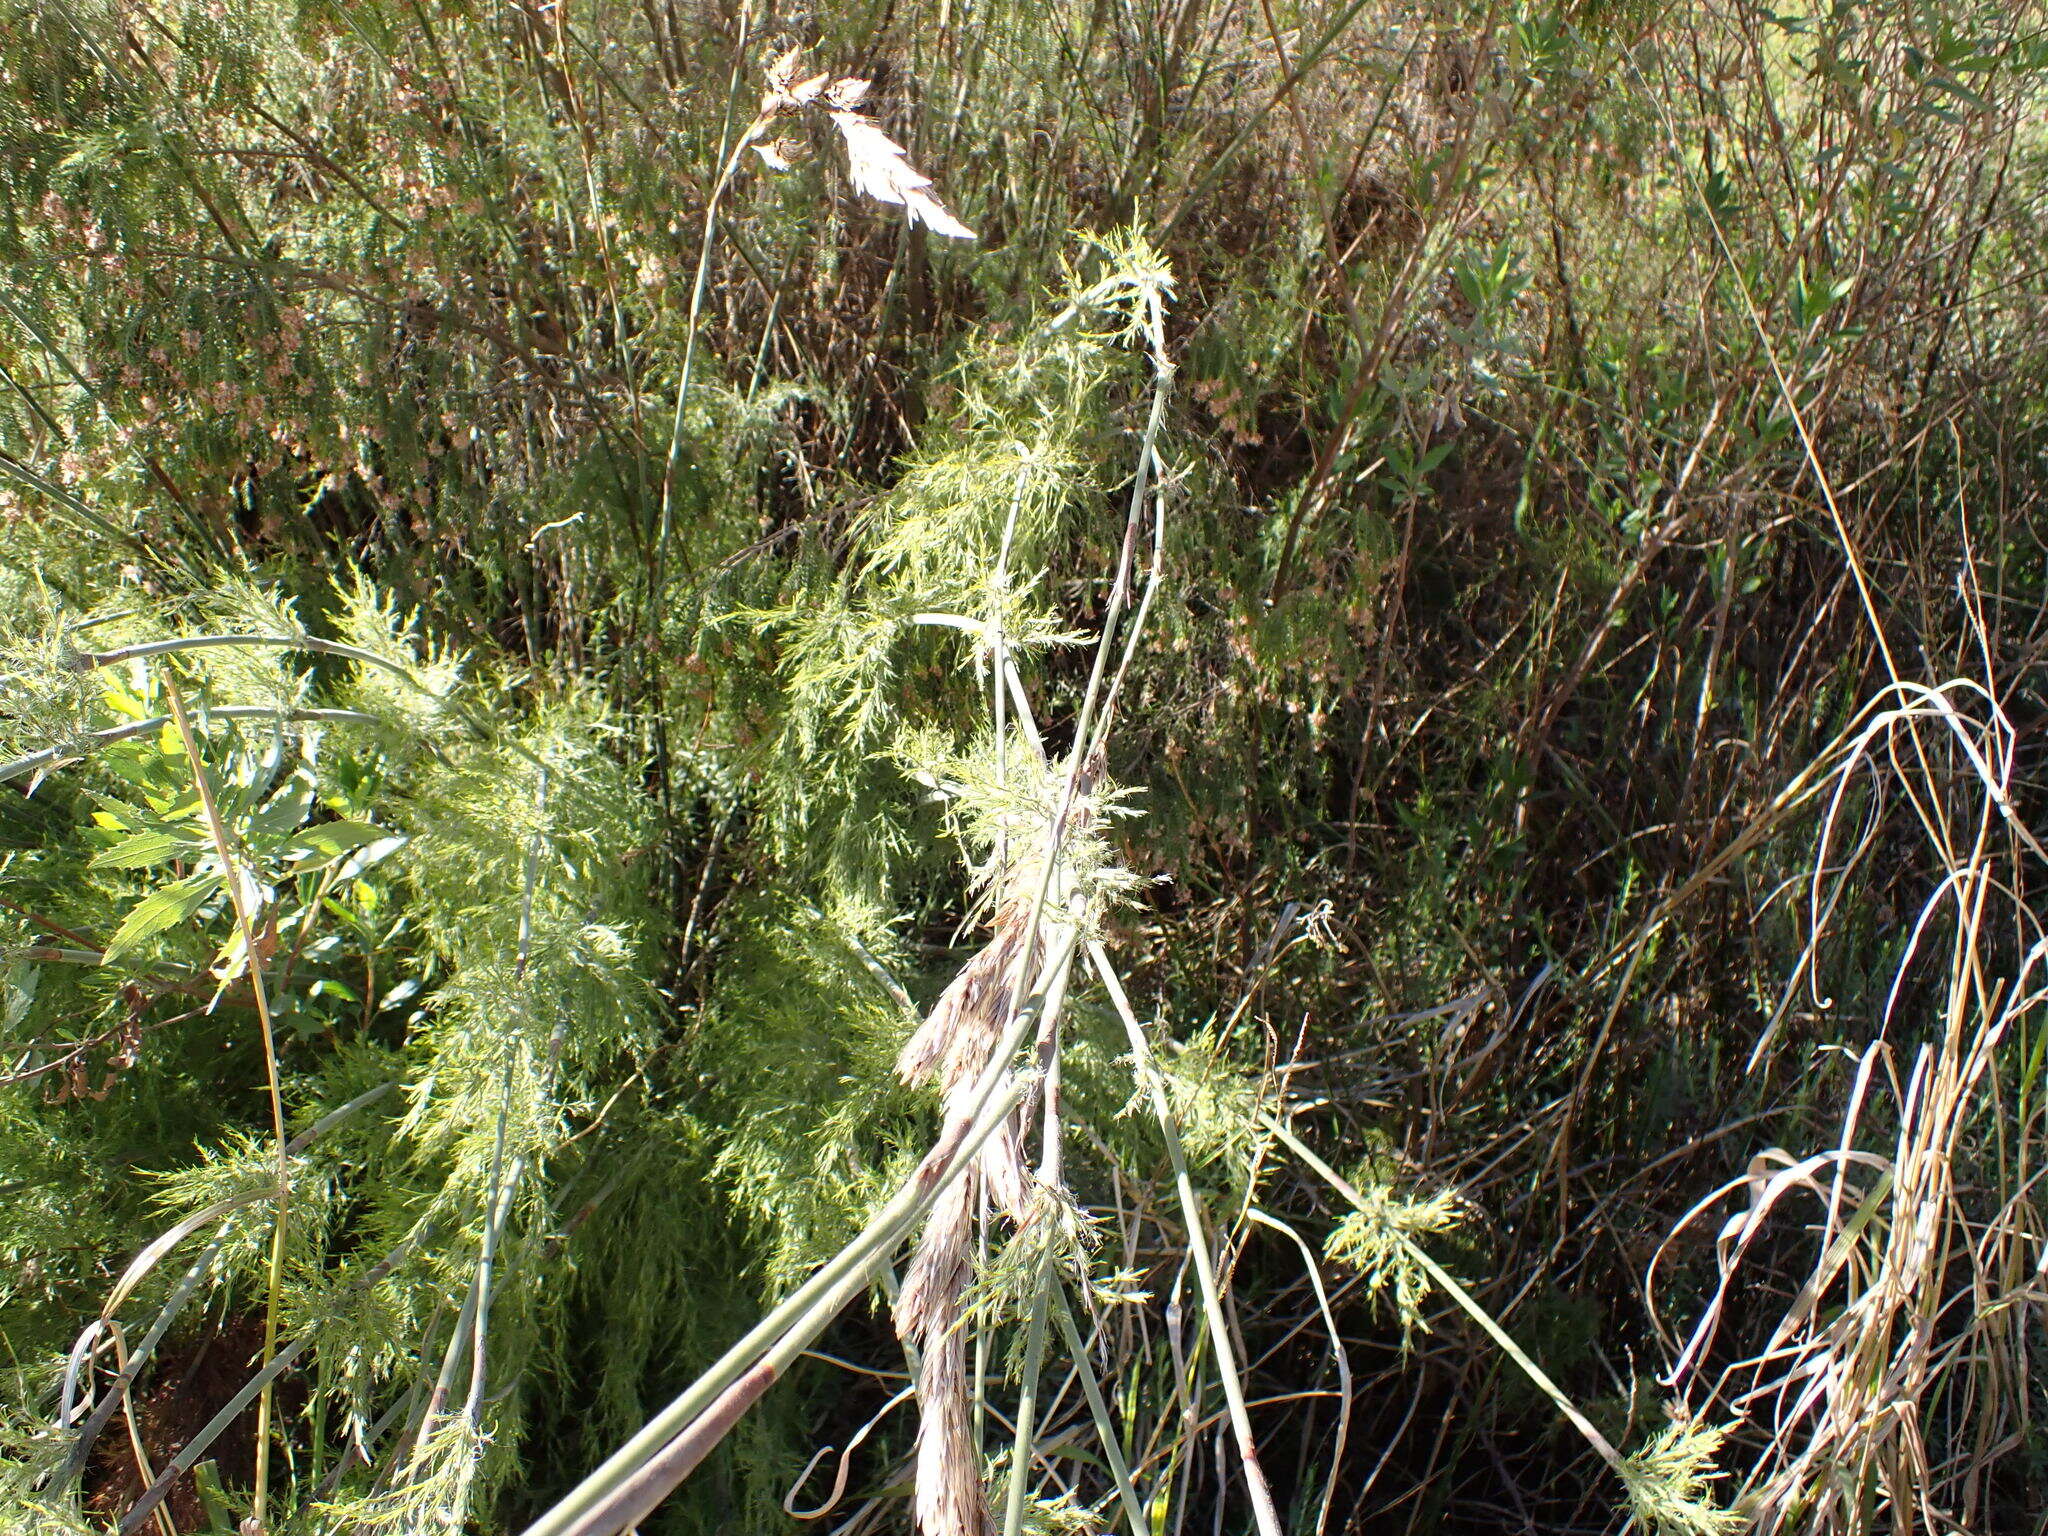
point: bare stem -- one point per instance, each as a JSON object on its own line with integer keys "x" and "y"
{"x": 245, "y": 921}
{"x": 1263, "y": 1509}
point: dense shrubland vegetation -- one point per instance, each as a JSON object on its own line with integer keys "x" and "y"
{"x": 1435, "y": 632}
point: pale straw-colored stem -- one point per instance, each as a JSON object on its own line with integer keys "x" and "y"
{"x": 1264, "y": 1513}
{"x": 595, "y": 1507}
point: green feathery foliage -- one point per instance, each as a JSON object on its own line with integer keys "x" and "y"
{"x": 1670, "y": 1481}
{"x": 540, "y": 622}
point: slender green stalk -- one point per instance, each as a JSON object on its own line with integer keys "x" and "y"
{"x": 1105, "y": 1424}
{"x": 1091, "y": 734}
{"x": 245, "y": 922}
{"x": 641, "y": 1494}
{"x": 68, "y": 502}
{"x": 729, "y": 155}
{"x": 644, "y": 1470}
{"x": 1264, "y": 1512}
{"x": 1457, "y": 1292}
{"x": 472, "y": 1326}
{"x": 49, "y": 954}
{"x": 50, "y": 756}
{"x": 84, "y": 660}
{"x": 1027, "y": 1402}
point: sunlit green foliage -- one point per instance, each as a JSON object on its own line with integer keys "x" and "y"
{"x": 1576, "y": 422}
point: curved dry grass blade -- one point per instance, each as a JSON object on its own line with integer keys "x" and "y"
{"x": 1337, "y": 1355}
{"x": 188, "y": 1283}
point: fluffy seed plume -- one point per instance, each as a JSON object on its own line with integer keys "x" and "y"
{"x": 953, "y": 1046}
{"x": 879, "y": 168}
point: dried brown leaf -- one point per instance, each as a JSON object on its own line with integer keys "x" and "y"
{"x": 781, "y": 154}
{"x": 782, "y": 69}
{"x": 848, "y": 93}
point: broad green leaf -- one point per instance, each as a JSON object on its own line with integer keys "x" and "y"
{"x": 17, "y": 994}
{"x": 251, "y": 774}
{"x": 145, "y": 850}
{"x": 123, "y": 702}
{"x": 122, "y": 816}
{"x": 331, "y": 839}
{"x": 280, "y": 818}
{"x": 160, "y": 909}
{"x": 367, "y": 856}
